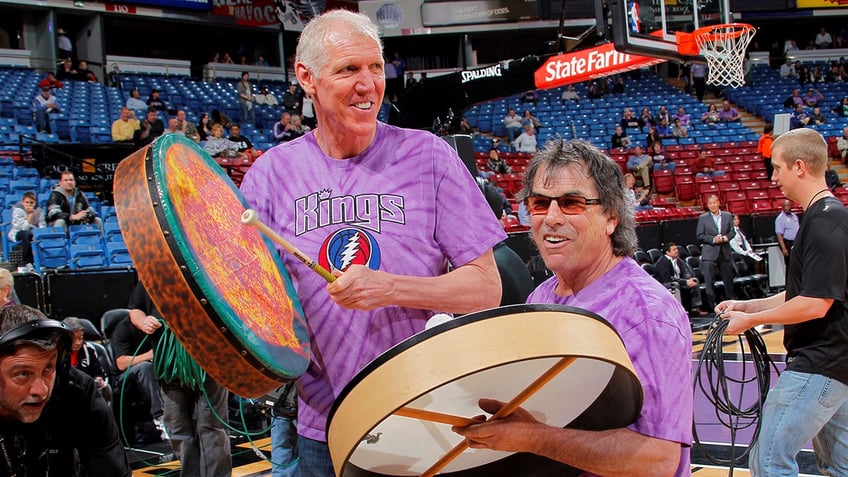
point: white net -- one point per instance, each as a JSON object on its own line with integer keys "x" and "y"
{"x": 724, "y": 48}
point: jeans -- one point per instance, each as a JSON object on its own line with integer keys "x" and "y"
{"x": 314, "y": 458}
{"x": 198, "y": 436}
{"x": 247, "y": 112}
{"x": 801, "y": 407}
{"x": 284, "y": 461}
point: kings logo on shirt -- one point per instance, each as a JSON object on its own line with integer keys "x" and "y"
{"x": 365, "y": 211}
{"x": 349, "y": 246}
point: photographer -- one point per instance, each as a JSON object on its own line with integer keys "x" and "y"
{"x": 67, "y": 205}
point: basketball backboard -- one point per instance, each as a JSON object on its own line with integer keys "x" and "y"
{"x": 648, "y": 27}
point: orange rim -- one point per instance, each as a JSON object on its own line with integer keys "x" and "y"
{"x": 687, "y": 43}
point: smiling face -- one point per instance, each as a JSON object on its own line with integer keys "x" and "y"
{"x": 26, "y": 381}
{"x": 347, "y": 92}
{"x": 574, "y": 247}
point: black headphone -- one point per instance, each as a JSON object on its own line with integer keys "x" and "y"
{"x": 38, "y": 328}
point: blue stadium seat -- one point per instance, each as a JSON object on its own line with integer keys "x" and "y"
{"x": 50, "y": 248}
{"x": 88, "y": 256}
{"x": 118, "y": 255}
{"x": 85, "y": 234}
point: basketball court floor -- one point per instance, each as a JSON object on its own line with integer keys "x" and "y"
{"x": 714, "y": 437}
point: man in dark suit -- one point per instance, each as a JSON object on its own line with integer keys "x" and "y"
{"x": 714, "y": 232}
{"x": 673, "y": 272}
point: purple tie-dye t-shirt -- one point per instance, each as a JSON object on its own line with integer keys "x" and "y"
{"x": 655, "y": 330}
{"x": 407, "y": 205}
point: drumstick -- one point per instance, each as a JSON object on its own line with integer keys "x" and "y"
{"x": 508, "y": 408}
{"x": 250, "y": 217}
{"x": 433, "y": 416}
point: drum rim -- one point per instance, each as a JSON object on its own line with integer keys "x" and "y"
{"x": 215, "y": 308}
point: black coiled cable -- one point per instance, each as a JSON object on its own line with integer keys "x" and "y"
{"x": 719, "y": 387}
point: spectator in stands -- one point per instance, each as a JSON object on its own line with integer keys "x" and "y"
{"x": 67, "y": 71}
{"x": 794, "y": 100}
{"x": 664, "y": 130}
{"x": 674, "y": 273}
{"x": 699, "y": 79}
{"x": 67, "y": 205}
{"x": 149, "y": 129}
{"x": 464, "y": 127}
{"x": 662, "y": 114}
{"x": 526, "y": 141}
{"x": 842, "y": 143}
{"x": 823, "y": 39}
{"x": 831, "y": 178}
{"x": 786, "y": 226}
{"x": 410, "y": 80}
{"x": 741, "y": 245}
{"x": 219, "y": 146}
{"x": 640, "y": 195}
{"x": 659, "y": 158}
{"x": 308, "y": 115}
{"x": 841, "y": 109}
{"x": 764, "y": 147}
{"x": 52, "y": 419}
{"x": 710, "y": 117}
{"x": 714, "y": 232}
{"x": 26, "y": 217}
{"x": 64, "y": 47}
{"x": 261, "y": 61}
{"x": 512, "y": 122}
{"x": 265, "y": 97}
{"x": 7, "y": 288}
{"x": 124, "y": 128}
{"x": 652, "y": 136}
{"x": 293, "y": 99}
{"x": 629, "y": 121}
{"x": 570, "y": 95}
{"x": 244, "y": 90}
{"x": 155, "y": 102}
{"x": 594, "y": 91}
{"x": 640, "y": 164}
{"x": 83, "y": 356}
{"x": 186, "y": 126}
{"x": 51, "y": 82}
{"x": 646, "y": 118}
{"x": 619, "y": 138}
{"x": 705, "y": 165}
{"x": 728, "y": 113}
{"x": 619, "y": 86}
{"x": 173, "y": 127}
{"x": 799, "y": 117}
{"x": 816, "y": 76}
{"x": 684, "y": 118}
{"x": 790, "y": 45}
{"x": 245, "y": 145}
{"x": 529, "y": 97}
{"x": 283, "y": 130}
{"x": 134, "y": 102}
{"x": 85, "y": 74}
{"x": 813, "y": 97}
{"x": 220, "y": 117}
{"x": 817, "y": 117}
{"x": 299, "y": 128}
{"x": 496, "y": 164}
{"x": 787, "y": 69}
{"x": 114, "y": 77}
{"x": 678, "y": 129}
{"x": 805, "y": 77}
{"x": 44, "y": 105}
{"x": 204, "y": 126}
{"x": 226, "y": 59}
{"x": 530, "y": 120}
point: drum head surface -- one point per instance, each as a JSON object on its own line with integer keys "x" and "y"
{"x": 232, "y": 271}
{"x": 493, "y": 354}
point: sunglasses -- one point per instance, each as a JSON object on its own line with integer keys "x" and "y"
{"x": 569, "y": 204}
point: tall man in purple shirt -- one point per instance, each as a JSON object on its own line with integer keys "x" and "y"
{"x": 388, "y": 210}
{"x": 582, "y": 222}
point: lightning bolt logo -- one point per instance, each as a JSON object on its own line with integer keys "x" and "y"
{"x": 350, "y": 250}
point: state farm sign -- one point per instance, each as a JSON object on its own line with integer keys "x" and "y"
{"x": 588, "y": 64}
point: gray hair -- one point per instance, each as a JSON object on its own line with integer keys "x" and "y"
{"x": 312, "y": 46}
{"x": 606, "y": 176}
{"x": 805, "y": 144}
{"x": 6, "y": 279}
{"x": 13, "y": 316}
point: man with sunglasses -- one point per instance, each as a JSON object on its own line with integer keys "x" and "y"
{"x": 53, "y": 422}
{"x": 582, "y": 222}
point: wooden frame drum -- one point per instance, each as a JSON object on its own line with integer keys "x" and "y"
{"x": 394, "y": 418}
{"x": 219, "y": 284}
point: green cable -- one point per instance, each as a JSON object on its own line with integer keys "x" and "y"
{"x": 173, "y": 364}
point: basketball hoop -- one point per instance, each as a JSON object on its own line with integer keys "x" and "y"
{"x": 724, "y": 48}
